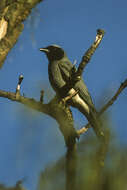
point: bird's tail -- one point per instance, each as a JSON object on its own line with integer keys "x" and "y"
{"x": 96, "y": 123}
{"x": 89, "y": 112}
{"x": 94, "y": 120}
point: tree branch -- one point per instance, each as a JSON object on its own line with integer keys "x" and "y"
{"x": 88, "y": 54}
{"x": 18, "y": 186}
{"x": 55, "y": 109}
{"x": 106, "y": 106}
{"x": 61, "y": 112}
{"x": 75, "y": 74}
{"x": 12, "y": 15}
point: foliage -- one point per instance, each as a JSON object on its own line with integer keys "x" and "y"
{"x": 89, "y": 175}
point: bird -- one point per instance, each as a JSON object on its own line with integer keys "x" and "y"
{"x": 59, "y": 71}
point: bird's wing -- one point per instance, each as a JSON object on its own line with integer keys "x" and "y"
{"x": 55, "y": 76}
{"x": 84, "y": 93}
{"x": 57, "y": 79}
{"x": 65, "y": 68}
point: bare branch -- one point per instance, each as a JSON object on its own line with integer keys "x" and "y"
{"x": 75, "y": 74}
{"x": 42, "y": 96}
{"x": 106, "y": 106}
{"x": 86, "y": 58}
{"x": 19, "y": 86}
{"x": 114, "y": 98}
{"x": 30, "y": 102}
{"x": 54, "y": 109}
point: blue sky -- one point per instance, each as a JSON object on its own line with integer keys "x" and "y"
{"x": 28, "y": 140}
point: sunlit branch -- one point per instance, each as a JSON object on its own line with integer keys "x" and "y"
{"x": 88, "y": 54}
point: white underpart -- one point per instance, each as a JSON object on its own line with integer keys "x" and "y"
{"x": 3, "y": 28}
{"x": 78, "y": 100}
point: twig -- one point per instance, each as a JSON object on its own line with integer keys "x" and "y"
{"x": 20, "y": 182}
{"x": 64, "y": 100}
{"x": 30, "y": 102}
{"x": 19, "y": 85}
{"x": 86, "y": 58}
{"x": 114, "y": 98}
{"x": 42, "y": 96}
{"x": 106, "y": 106}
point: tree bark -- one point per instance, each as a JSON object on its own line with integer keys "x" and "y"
{"x": 12, "y": 15}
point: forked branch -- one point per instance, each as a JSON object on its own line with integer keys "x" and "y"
{"x": 106, "y": 106}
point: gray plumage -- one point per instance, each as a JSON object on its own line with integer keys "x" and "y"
{"x": 59, "y": 70}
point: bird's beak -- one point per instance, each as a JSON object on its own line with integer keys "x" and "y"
{"x": 44, "y": 50}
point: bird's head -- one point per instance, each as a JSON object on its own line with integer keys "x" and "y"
{"x": 53, "y": 52}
